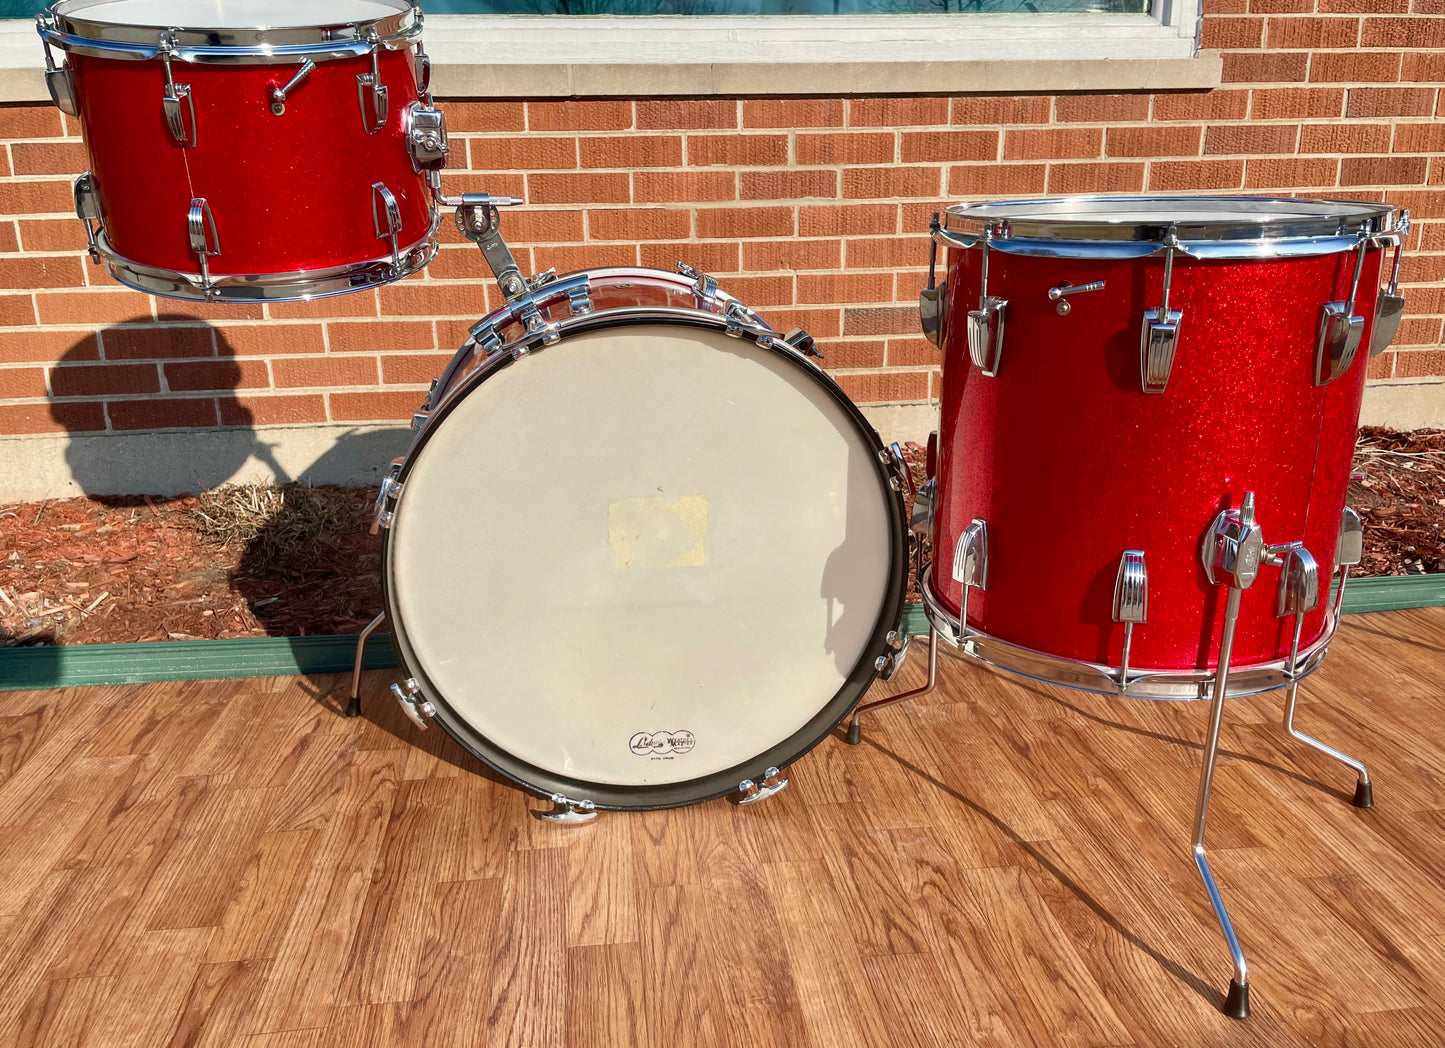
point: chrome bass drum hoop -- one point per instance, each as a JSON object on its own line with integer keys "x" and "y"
{"x": 717, "y": 784}
{"x": 1185, "y": 685}
{"x": 228, "y": 46}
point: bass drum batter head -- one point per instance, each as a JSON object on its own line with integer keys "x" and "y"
{"x": 644, "y": 564}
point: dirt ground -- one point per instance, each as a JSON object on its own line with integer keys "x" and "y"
{"x": 298, "y": 561}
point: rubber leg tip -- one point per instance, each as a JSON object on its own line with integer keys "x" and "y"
{"x": 1236, "y": 1002}
{"x": 353, "y": 708}
{"x": 855, "y": 732}
{"x": 1364, "y": 795}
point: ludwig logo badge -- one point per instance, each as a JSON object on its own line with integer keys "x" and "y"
{"x": 662, "y": 745}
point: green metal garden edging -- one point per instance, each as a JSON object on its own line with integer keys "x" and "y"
{"x": 72, "y": 666}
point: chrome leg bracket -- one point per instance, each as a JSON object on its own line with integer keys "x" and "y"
{"x": 855, "y": 726}
{"x": 750, "y": 792}
{"x": 566, "y": 810}
{"x": 353, "y": 705}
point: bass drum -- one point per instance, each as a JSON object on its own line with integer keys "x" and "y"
{"x": 644, "y": 549}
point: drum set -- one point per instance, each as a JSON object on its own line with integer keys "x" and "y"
{"x": 642, "y": 551}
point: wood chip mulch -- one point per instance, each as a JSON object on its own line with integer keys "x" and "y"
{"x": 298, "y": 561}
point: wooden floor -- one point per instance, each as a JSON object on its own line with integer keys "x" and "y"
{"x": 1001, "y": 863}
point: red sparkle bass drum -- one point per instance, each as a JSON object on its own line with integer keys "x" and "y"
{"x": 1147, "y": 404}
{"x": 254, "y": 150}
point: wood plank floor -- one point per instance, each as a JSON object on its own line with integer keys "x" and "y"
{"x": 1001, "y": 863}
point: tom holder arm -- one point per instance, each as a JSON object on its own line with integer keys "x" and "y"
{"x": 478, "y": 220}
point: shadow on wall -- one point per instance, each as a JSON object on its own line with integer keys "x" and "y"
{"x": 179, "y": 372}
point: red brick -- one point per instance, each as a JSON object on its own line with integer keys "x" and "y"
{"x": 1344, "y": 138}
{"x": 1354, "y": 67}
{"x": 590, "y": 188}
{"x": 168, "y": 413}
{"x": 1424, "y": 7}
{"x": 1419, "y": 364}
{"x": 1097, "y": 109}
{"x": 47, "y": 346}
{"x": 764, "y": 291}
{"x": 1419, "y": 138}
{"x": 999, "y": 109}
{"x": 886, "y": 252}
{"x": 639, "y": 223}
{"x": 1425, "y": 66}
{"x": 1153, "y": 141}
{"x": 272, "y": 338}
{"x": 1264, "y": 67}
{"x": 330, "y": 370}
{"x": 826, "y": 288}
{"x": 380, "y": 336}
{"x": 465, "y": 117}
{"x": 73, "y": 417}
{"x": 1422, "y": 204}
{"x": 1382, "y": 366}
{"x": 1204, "y": 106}
{"x": 174, "y": 310}
{"x": 58, "y": 234}
{"x": 1383, "y": 171}
{"x": 1422, "y": 269}
{"x": 1430, "y": 236}
{"x": 569, "y": 258}
{"x": 793, "y": 112}
{"x": 1095, "y": 178}
{"x": 880, "y": 320}
{"x": 788, "y": 185}
{"x": 1230, "y": 32}
{"x": 1311, "y": 32}
{"x": 412, "y": 369}
{"x": 710, "y": 257}
{"x": 1280, "y": 7}
{"x": 632, "y": 151}
{"x": 1302, "y": 173}
{"x": 1251, "y": 138}
{"x": 579, "y": 116}
{"x": 897, "y": 112}
{"x": 36, "y": 198}
{"x": 195, "y": 375}
{"x": 1374, "y": 7}
{"x": 745, "y": 222}
{"x": 665, "y": 187}
{"x": 847, "y": 220}
{"x": 286, "y": 410}
{"x": 17, "y": 309}
{"x": 674, "y": 115}
{"x": 29, "y": 121}
{"x": 97, "y": 306}
{"x": 525, "y": 154}
{"x": 903, "y": 352}
{"x": 1418, "y": 331}
{"x": 736, "y": 150}
{"x": 872, "y": 183}
{"x": 915, "y": 217}
{"x": 880, "y": 387}
{"x": 9, "y": 241}
{"x": 156, "y": 343}
{"x": 854, "y": 353}
{"x": 48, "y": 158}
{"x": 41, "y": 271}
{"x": 100, "y": 380}
{"x": 498, "y": 183}
{"x": 933, "y": 147}
{"x": 352, "y": 304}
{"x": 458, "y": 263}
{"x": 763, "y": 255}
{"x": 1173, "y": 176}
{"x": 1284, "y": 103}
{"x": 1390, "y": 101}
{"x": 373, "y": 407}
{"x": 1053, "y": 144}
{"x": 1403, "y": 33}
{"x": 18, "y": 383}
{"x": 976, "y": 180}
{"x": 820, "y": 323}
{"x": 412, "y": 299}
{"x": 858, "y": 148}
{"x": 529, "y": 225}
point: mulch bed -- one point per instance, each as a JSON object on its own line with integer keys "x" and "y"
{"x": 300, "y": 561}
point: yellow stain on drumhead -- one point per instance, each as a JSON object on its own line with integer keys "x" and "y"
{"x": 658, "y": 532}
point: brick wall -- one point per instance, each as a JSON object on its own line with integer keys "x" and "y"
{"x": 811, "y": 210}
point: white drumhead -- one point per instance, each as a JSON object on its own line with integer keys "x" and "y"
{"x": 641, "y": 556}
{"x": 232, "y": 14}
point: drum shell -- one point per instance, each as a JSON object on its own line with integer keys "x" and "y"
{"x": 289, "y": 193}
{"x": 1070, "y": 463}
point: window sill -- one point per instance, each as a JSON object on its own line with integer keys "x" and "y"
{"x": 498, "y": 57}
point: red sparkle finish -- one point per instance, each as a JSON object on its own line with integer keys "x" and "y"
{"x": 1070, "y": 464}
{"x": 289, "y": 193}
